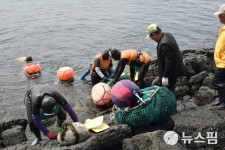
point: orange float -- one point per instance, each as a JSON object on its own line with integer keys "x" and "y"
{"x": 100, "y": 94}
{"x": 65, "y": 73}
{"x": 32, "y": 68}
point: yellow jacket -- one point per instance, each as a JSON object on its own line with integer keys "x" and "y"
{"x": 219, "y": 52}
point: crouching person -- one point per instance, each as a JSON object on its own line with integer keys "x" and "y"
{"x": 42, "y": 102}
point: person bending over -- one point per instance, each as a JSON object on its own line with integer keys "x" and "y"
{"x": 138, "y": 61}
{"x": 43, "y": 102}
{"x": 101, "y": 68}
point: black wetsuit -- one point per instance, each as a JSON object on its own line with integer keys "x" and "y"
{"x": 33, "y": 100}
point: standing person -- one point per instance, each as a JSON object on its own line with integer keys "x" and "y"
{"x": 101, "y": 68}
{"x": 218, "y": 81}
{"x": 137, "y": 60}
{"x": 42, "y": 102}
{"x": 170, "y": 60}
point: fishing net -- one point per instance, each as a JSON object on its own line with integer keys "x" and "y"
{"x": 155, "y": 106}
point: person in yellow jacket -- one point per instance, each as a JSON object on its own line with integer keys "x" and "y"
{"x": 101, "y": 68}
{"x": 219, "y": 58}
{"x": 137, "y": 60}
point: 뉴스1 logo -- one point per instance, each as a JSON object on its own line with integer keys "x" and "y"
{"x": 170, "y": 137}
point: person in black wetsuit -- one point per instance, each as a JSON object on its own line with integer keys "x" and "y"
{"x": 43, "y": 102}
{"x": 137, "y": 60}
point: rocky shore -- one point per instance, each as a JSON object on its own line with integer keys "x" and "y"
{"x": 194, "y": 120}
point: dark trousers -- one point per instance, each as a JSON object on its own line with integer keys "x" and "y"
{"x": 95, "y": 78}
{"x": 61, "y": 115}
{"x": 141, "y": 75}
{"x": 218, "y": 83}
{"x": 172, "y": 83}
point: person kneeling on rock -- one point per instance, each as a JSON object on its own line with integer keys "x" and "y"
{"x": 42, "y": 102}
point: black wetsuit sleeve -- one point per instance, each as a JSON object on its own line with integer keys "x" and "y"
{"x": 96, "y": 62}
{"x": 132, "y": 71}
{"x": 168, "y": 58}
{"x": 120, "y": 68}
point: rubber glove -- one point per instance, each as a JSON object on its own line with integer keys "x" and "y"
{"x": 51, "y": 135}
{"x": 165, "y": 81}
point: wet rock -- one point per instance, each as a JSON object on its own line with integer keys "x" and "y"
{"x": 182, "y": 81}
{"x": 201, "y": 120}
{"x": 12, "y": 132}
{"x": 90, "y": 144}
{"x": 197, "y": 62}
{"x": 13, "y": 136}
{"x": 181, "y": 91}
{"x": 150, "y": 140}
{"x": 11, "y": 123}
{"x": 208, "y": 80}
{"x": 198, "y": 78}
{"x": 205, "y": 95}
{"x": 188, "y": 104}
{"x": 22, "y": 146}
{"x": 195, "y": 88}
{"x": 114, "y": 136}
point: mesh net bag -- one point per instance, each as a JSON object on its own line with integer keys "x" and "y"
{"x": 155, "y": 106}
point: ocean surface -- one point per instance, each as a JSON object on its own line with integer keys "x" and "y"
{"x": 58, "y": 33}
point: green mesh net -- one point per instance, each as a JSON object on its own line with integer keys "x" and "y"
{"x": 156, "y": 106}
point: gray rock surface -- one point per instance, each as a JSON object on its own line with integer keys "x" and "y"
{"x": 14, "y": 136}
{"x": 150, "y": 140}
{"x": 203, "y": 120}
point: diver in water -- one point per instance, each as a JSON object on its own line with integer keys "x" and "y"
{"x": 42, "y": 102}
{"x": 29, "y": 59}
{"x": 31, "y": 69}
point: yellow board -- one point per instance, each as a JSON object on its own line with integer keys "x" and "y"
{"x": 93, "y": 123}
{"x": 100, "y": 128}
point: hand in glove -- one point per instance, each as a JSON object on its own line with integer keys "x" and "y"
{"x": 51, "y": 135}
{"x": 104, "y": 79}
{"x": 165, "y": 81}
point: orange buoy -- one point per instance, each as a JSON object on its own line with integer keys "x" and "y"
{"x": 100, "y": 94}
{"x": 65, "y": 73}
{"x": 32, "y": 68}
